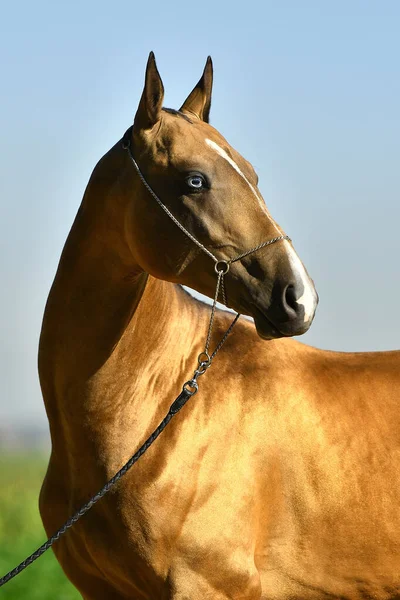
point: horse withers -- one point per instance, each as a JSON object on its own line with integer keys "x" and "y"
{"x": 280, "y": 479}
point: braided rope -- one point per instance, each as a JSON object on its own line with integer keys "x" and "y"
{"x": 267, "y": 243}
{"x": 227, "y": 332}
{"x": 173, "y": 410}
{"x": 214, "y": 305}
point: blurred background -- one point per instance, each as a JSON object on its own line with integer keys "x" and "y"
{"x": 309, "y": 92}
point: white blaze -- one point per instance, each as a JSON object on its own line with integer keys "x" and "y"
{"x": 308, "y": 298}
{"x": 226, "y": 156}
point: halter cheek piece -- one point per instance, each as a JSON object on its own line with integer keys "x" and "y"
{"x": 221, "y": 268}
{"x": 190, "y": 388}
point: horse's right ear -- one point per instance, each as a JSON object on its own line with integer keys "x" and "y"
{"x": 198, "y": 102}
{"x": 149, "y": 110}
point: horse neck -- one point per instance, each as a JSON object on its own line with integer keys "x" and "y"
{"x": 103, "y": 308}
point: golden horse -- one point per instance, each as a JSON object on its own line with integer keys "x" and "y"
{"x": 280, "y": 479}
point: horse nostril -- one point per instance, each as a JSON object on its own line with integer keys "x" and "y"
{"x": 289, "y": 297}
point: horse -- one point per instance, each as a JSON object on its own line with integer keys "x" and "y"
{"x": 280, "y": 479}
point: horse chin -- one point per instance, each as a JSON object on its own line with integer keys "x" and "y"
{"x": 269, "y": 331}
{"x": 265, "y": 329}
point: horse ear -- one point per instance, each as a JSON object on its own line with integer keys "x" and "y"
{"x": 198, "y": 102}
{"x": 149, "y": 110}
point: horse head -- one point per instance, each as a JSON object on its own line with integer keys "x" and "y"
{"x": 212, "y": 191}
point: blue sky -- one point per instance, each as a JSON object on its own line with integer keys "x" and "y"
{"x": 308, "y": 91}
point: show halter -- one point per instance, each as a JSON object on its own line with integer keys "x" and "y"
{"x": 221, "y": 268}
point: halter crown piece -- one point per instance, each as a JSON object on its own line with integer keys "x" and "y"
{"x": 221, "y": 268}
{"x": 190, "y": 388}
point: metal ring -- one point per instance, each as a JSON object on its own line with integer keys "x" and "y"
{"x": 204, "y": 359}
{"x": 222, "y": 266}
{"x": 126, "y": 144}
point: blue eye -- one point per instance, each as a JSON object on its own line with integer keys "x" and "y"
{"x": 196, "y": 182}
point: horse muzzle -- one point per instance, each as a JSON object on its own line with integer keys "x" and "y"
{"x": 290, "y": 312}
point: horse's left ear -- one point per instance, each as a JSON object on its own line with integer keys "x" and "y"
{"x": 149, "y": 111}
{"x": 198, "y": 102}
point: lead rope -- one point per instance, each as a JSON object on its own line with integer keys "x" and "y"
{"x": 189, "y": 389}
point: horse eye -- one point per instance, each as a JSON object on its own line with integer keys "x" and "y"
{"x": 196, "y": 182}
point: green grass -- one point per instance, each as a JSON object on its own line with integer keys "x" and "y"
{"x": 21, "y": 532}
